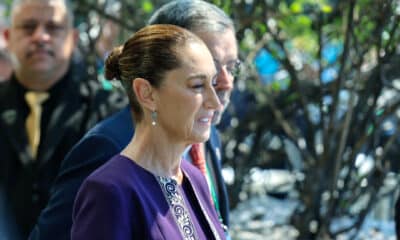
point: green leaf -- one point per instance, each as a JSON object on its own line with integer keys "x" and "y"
{"x": 296, "y": 7}
{"x": 379, "y": 112}
{"x": 304, "y": 21}
{"x": 326, "y": 8}
{"x": 262, "y": 28}
{"x": 370, "y": 129}
{"x": 147, "y": 7}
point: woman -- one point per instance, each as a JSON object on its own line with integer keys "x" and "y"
{"x": 147, "y": 191}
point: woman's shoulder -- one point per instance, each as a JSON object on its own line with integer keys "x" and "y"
{"x": 116, "y": 171}
{"x": 121, "y": 172}
{"x": 111, "y": 182}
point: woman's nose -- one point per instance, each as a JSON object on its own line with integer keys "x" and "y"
{"x": 212, "y": 101}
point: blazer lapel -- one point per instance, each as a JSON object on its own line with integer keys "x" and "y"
{"x": 68, "y": 110}
{"x": 13, "y": 125}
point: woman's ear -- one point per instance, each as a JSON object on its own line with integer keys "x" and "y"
{"x": 144, "y": 93}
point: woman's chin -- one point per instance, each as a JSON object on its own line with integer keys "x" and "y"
{"x": 203, "y": 137}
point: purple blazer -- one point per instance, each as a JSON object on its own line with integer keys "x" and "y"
{"x": 122, "y": 200}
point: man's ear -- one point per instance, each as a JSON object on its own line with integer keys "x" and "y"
{"x": 144, "y": 93}
{"x": 6, "y": 34}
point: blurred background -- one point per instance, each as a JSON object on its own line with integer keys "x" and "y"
{"x": 311, "y": 137}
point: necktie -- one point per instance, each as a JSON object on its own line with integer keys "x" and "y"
{"x": 32, "y": 124}
{"x": 198, "y": 158}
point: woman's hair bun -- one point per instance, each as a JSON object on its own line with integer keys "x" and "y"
{"x": 112, "y": 70}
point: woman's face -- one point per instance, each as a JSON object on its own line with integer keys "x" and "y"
{"x": 186, "y": 99}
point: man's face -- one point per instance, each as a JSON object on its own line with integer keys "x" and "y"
{"x": 223, "y": 48}
{"x": 41, "y": 39}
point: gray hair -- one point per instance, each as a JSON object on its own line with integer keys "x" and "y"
{"x": 66, "y": 3}
{"x": 194, "y": 15}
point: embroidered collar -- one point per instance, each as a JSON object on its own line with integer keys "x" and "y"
{"x": 179, "y": 210}
{"x": 178, "y": 207}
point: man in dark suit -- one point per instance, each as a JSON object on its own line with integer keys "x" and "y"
{"x": 35, "y": 137}
{"x": 111, "y": 136}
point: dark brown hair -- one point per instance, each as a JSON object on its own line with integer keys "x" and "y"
{"x": 148, "y": 54}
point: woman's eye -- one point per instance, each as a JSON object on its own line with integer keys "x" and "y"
{"x": 198, "y": 86}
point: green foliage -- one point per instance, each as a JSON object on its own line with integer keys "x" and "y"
{"x": 299, "y": 34}
{"x": 147, "y": 6}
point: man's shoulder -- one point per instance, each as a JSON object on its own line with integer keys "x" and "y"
{"x": 4, "y": 93}
{"x": 9, "y": 108}
{"x": 103, "y": 98}
{"x": 4, "y": 88}
{"x": 3, "y": 84}
{"x": 109, "y": 136}
{"x": 119, "y": 121}
{"x": 100, "y": 102}
{"x": 118, "y": 126}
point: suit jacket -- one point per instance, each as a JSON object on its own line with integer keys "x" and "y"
{"x": 100, "y": 144}
{"x": 26, "y": 181}
{"x": 143, "y": 212}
